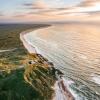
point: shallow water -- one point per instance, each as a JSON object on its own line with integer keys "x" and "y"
{"x": 74, "y": 49}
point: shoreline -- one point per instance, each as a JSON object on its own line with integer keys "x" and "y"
{"x": 66, "y": 94}
{"x": 23, "y": 39}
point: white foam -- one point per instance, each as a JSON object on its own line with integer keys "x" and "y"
{"x": 59, "y": 94}
{"x": 96, "y": 78}
{"x": 68, "y": 83}
{"x": 33, "y": 46}
{"x": 27, "y": 44}
{"x": 47, "y": 42}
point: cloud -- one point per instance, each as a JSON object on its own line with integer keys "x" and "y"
{"x": 88, "y": 3}
{"x": 86, "y": 7}
{"x": 19, "y": 15}
{"x": 42, "y": 8}
{"x": 40, "y": 4}
{"x": 1, "y": 14}
{"x": 39, "y": 10}
{"x": 27, "y": 4}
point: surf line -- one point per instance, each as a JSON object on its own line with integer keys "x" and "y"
{"x": 61, "y": 87}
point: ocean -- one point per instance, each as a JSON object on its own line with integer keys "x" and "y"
{"x": 74, "y": 48}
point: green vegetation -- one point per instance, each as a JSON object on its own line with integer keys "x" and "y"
{"x": 33, "y": 82}
{"x": 10, "y": 39}
{"x": 20, "y": 80}
{"x": 9, "y": 34}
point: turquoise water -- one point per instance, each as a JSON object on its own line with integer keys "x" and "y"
{"x": 75, "y": 50}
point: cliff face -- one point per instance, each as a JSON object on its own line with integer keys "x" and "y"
{"x": 32, "y": 82}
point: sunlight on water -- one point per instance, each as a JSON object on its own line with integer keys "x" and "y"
{"x": 74, "y": 49}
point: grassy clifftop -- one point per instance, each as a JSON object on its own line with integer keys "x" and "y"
{"x": 22, "y": 76}
{"x": 32, "y": 82}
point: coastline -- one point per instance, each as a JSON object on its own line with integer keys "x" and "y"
{"x": 26, "y": 45}
{"x": 23, "y": 39}
{"x": 59, "y": 83}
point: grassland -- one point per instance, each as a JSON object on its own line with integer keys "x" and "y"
{"x": 9, "y": 34}
{"x": 9, "y": 40}
{"x": 33, "y": 82}
{"x": 20, "y": 80}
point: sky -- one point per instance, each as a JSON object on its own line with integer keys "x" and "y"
{"x": 49, "y": 10}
